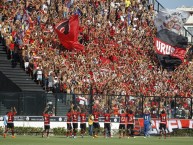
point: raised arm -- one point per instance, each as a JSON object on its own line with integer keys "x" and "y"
{"x": 46, "y": 108}
{"x": 14, "y": 110}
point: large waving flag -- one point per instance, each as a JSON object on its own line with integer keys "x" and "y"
{"x": 68, "y": 31}
{"x": 170, "y": 19}
{"x": 169, "y": 45}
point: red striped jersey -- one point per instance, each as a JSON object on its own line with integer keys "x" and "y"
{"x": 123, "y": 118}
{"x": 11, "y": 117}
{"x": 96, "y": 116}
{"x": 130, "y": 118}
{"x": 75, "y": 115}
{"x": 82, "y": 117}
{"x": 46, "y": 118}
{"x": 107, "y": 117}
{"x": 69, "y": 117}
{"x": 163, "y": 118}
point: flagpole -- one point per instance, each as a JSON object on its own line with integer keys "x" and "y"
{"x": 50, "y": 3}
{"x": 49, "y": 6}
{"x": 109, "y": 9}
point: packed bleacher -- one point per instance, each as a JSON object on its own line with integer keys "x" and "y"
{"x": 118, "y": 58}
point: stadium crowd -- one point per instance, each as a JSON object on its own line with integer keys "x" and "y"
{"x": 118, "y": 58}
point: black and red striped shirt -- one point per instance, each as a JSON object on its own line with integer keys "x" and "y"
{"x": 11, "y": 116}
{"x": 75, "y": 115}
{"x": 107, "y": 117}
{"x": 130, "y": 118}
{"x": 69, "y": 117}
{"x": 96, "y": 116}
{"x": 46, "y": 118}
{"x": 82, "y": 117}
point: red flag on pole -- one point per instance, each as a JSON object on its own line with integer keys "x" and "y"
{"x": 67, "y": 32}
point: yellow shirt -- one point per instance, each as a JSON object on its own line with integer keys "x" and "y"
{"x": 90, "y": 120}
{"x": 10, "y": 37}
{"x": 127, "y": 3}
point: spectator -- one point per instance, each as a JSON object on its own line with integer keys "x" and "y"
{"x": 119, "y": 55}
{"x": 90, "y": 124}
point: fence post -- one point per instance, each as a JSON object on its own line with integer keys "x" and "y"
{"x": 91, "y": 99}
{"x": 18, "y": 103}
{"x": 175, "y": 107}
{"x": 23, "y": 105}
{"x": 191, "y": 109}
{"x": 142, "y": 104}
{"x": 73, "y": 98}
{"x": 159, "y": 106}
{"x": 56, "y": 103}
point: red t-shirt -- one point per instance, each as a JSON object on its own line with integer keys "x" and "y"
{"x": 11, "y": 46}
{"x": 96, "y": 116}
{"x": 130, "y": 119}
{"x": 75, "y": 117}
{"x": 82, "y": 117}
{"x": 122, "y": 118}
{"x": 69, "y": 117}
{"x": 13, "y": 33}
{"x": 81, "y": 29}
{"x": 11, "y": 117}
{"x": 116, "y": 110}
{"x": 107, "y": 117}
{"x": 163, "y": 118}
{"x": 46, "y": 118}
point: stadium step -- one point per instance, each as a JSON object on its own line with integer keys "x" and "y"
{"x": 15, "y": 75}
{"x": 62, "y": 108}
{"x": 3, "y": 109}
{"x": 62, "y": 104}
{"x": 51, "y": 98}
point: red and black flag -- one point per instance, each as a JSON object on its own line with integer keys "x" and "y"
{"x": 68, "y": 31}
{"x": 169, "y": 45}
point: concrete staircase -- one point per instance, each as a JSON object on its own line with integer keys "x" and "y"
{"x": 14, "y": 80}
{"x": 62, "y": 108}
{"x": 16, "y": 75}
{"x": 61, "y": 103}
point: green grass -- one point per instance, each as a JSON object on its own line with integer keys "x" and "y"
{"x": 59, "y": 140}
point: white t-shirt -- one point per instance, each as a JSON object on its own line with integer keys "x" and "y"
{"x": 39, "y": 72}
{"x": 45, "y": 8}
{"x": 82, "y": 100}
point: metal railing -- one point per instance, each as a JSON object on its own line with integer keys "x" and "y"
{"x": 158, "y": 7}
{"x": 33, "y": 103}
